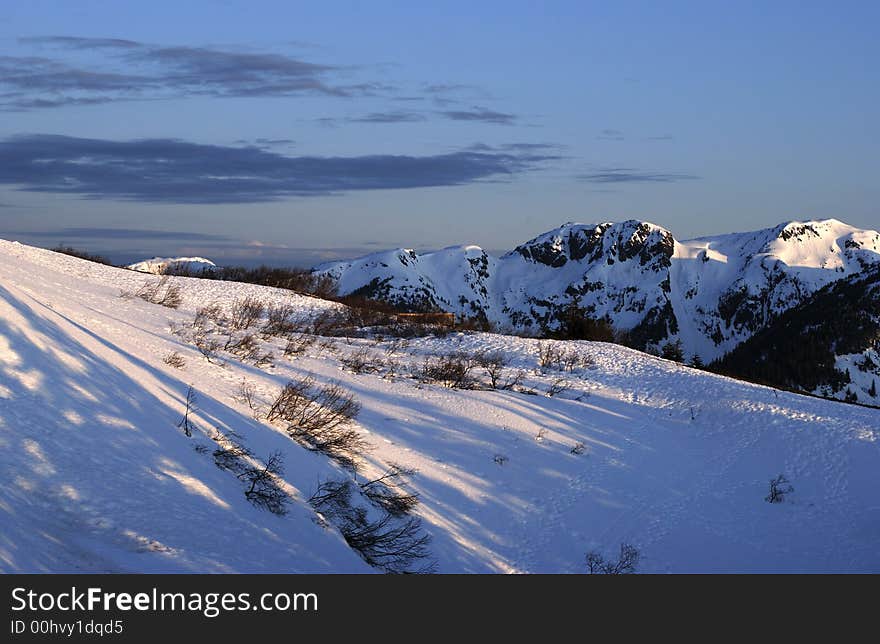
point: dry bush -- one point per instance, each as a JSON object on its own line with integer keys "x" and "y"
{"x": 207, "y": 346}
{"x": 557, "y": 387}
{"x": 557, "y": 358}
{"x": 397, "y": 345}
{"x": 247, "y": 395}
{"x": 385, "y": 491}
{"x": 205, "y": 315}
{"x": 362, "y": 361}
{"x": 779, "y": 488}
{"x": 245, "y": 346}
{"x": 452, "y": 370}
{"x": 262, "y": 480}
{"x": 320, "y": 418}
{"x": 625, "y": 565}
{"x": 160, "y": 292}
{"x": 263, "y": 489}
{"x": 174, "y": 359}
{"x": 515, "y": 381}
{"x": 231, "y": 456}
{"x": 549, "y": 355}
{"x": 386, "y": 542}
{"x": 577, "y": 449}
{"x": 279, "y": 320}
{"x": 245, "y": 312}
{"x": 297, "y": 345}
{"x": 185, "y": 423}
{"x": 493, "y": 364}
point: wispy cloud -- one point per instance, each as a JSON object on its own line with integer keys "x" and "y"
{"x": 481, "y": 114}
{"x": 516, "y": 147}
{"x": 634, "y": 175}
{"x": 124, "y": 233}
{"x": 129, "y": 70}
{"x": 609, "y": 134}
{"x": 389, "y": 117}
{"x": 175, "y": 171}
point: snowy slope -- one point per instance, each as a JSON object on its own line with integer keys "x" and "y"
{"x": 711, "y": 293}
{"x": 675, "y": 461}
{"x": 176, "y": 265}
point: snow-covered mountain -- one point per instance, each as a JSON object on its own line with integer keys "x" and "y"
{"x": 598, "y": 446}
{"x": 829, "y": 345}
{"x": 711, "y": 293}
{"x": 174, "y": 265}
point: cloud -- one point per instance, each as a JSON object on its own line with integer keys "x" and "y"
{"x": 128, "y": 70}
{"x": 124, "y": 233}
{"x": 389, "y": 117}
{"x": 480, "y": 114}
{"x": 515, "y": 147}
{"x": 609, "y": 134}
{"x": 176, "y": 171}
{"x": 74, "y": 42}
{"x": 632, "y": 175}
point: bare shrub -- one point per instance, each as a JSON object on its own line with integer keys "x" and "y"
{"x": 247, "y": 395}
{"x": 493, "y": 364}
{"x": 297, "y": 345}
{"x": 515, "y": 381}
{"x": 452, "y": 370}
{"x": 263, "y": 360}
{"x": 549, "y": 355}
{"x": 279, "y": 320}
{"x": 557, "y": 387}
{"x": 245, "y": 346}
{"x": 327, "y": 344}
{"x": 541, "y": 435}
{"x": 320, "y": 418}
{"x": 232, "y": 456}
{"x": 397, "y": 345}
{"x": 245, "y": 312}
{"x": 385, "y": 491}
{"x": 161, "y": 292}
{"x": 779, "y": 488}
{"x": 386, "y": 542}
{"x": 185, "y": 423}
{"x": 500, "y": 459}
{"x": 578, "y": 449}
{"x": 207, "y": 314}
{"x": 174, "y": 359}
{"x": 362, "y": 361}
{"x": 290, "y": 400}
{"x": 263, "y": 489}
{"x": 207, "y": 346}
{"x": 626, "y": 562}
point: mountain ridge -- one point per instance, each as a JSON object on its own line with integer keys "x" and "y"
{"x": 710, "y": 293}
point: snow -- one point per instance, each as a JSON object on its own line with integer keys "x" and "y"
{"x": 97, "y": 477}
{"x": 162, "y": 265}
{"x": 775, "y": 269}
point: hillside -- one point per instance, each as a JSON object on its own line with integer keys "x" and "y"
{"x": 710, "y": 293}
{"x": 581, "y": 447}
{"x": 828, "y": 345}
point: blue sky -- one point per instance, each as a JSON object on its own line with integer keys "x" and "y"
{"x": 294, "y": 132}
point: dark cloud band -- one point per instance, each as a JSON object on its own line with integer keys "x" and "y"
{"x": 633, "y": 175}
{"x": 175, "y": 171}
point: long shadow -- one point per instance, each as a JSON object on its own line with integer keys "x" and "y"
{"x": 100, "y": 478}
